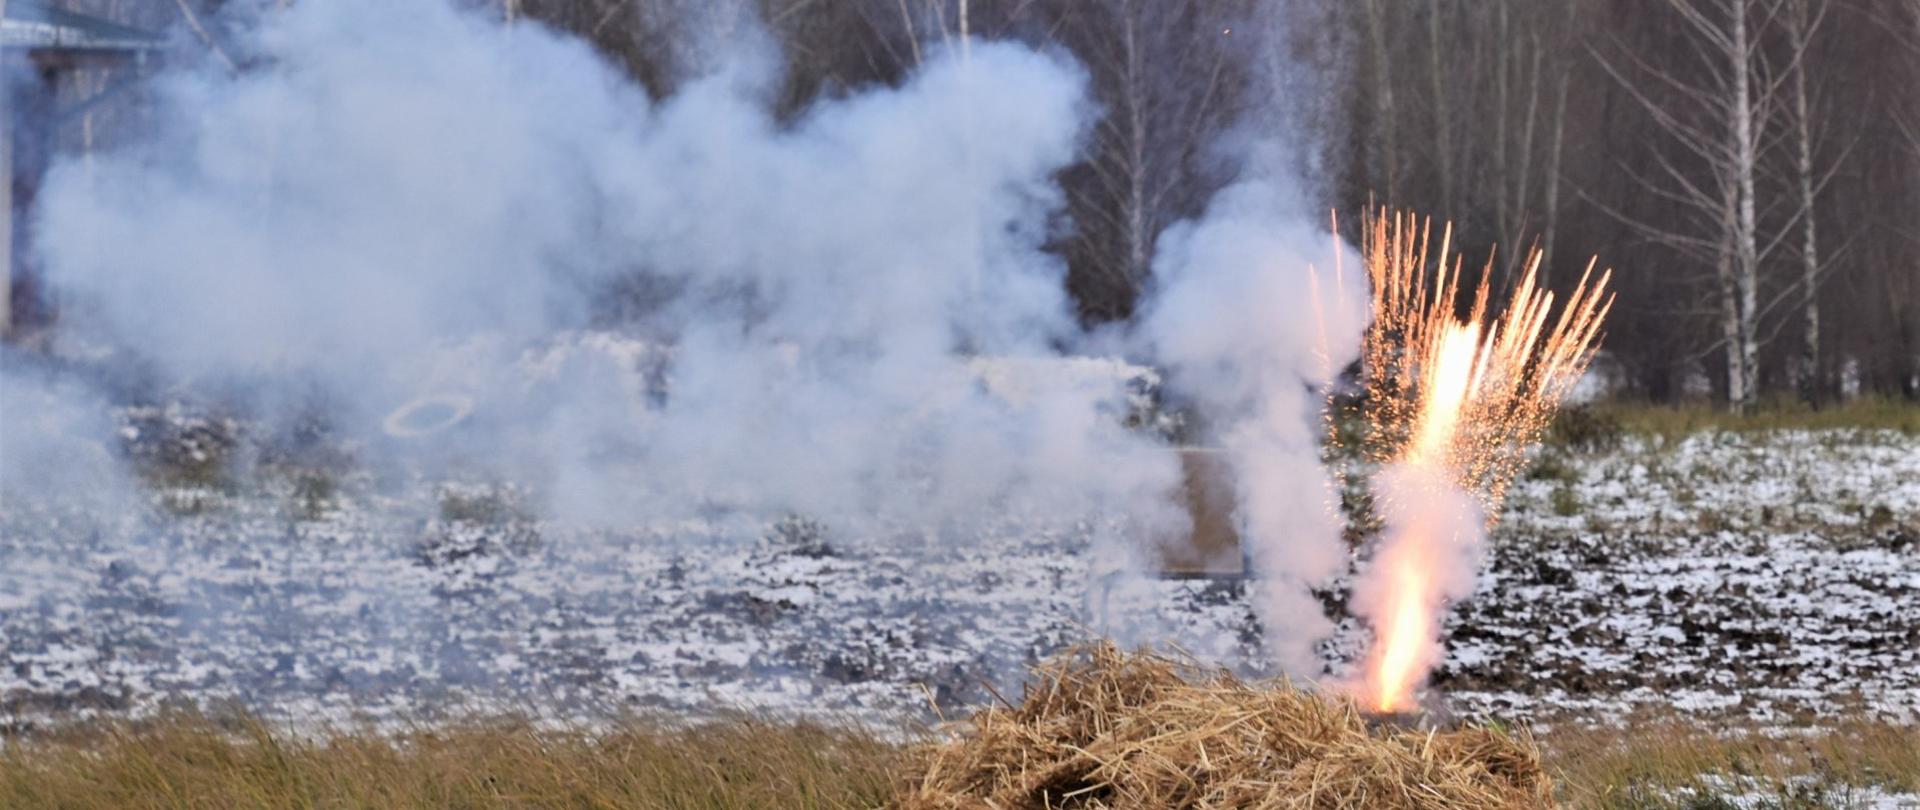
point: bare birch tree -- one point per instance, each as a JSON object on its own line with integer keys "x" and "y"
{"x": 1714, "y": 114}
{"x": 1802, "y": 20}
{"x": 1444, "y": 117}
{"x": 1385, "y": 154}
{"x": 1169, "y": 82}
{"x": 1550, "y": 207}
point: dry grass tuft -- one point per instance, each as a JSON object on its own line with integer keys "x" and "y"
{"x": 1101, "y": 728}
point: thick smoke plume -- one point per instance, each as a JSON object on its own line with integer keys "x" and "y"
{"x": 1254, "y": 320}
{"x": 408, "y": 201}
{"x": 647, "y": 307}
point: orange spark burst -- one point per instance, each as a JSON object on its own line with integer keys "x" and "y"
{"x": 1457, "y": 403}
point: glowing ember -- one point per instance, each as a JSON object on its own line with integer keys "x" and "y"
{"x": 1452, "y": 407}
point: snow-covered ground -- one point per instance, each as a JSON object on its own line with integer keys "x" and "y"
{"x": 1769, "y": 577}
{"x": 1766, "y": 576}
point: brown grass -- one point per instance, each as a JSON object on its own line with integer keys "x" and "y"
{"x": 1617, "y": 767}
{"x": 1100, "y": 728}
{"x": 1677, "y": 422}
{"x": 193, "y": 761}
{"x": 1122, "y": 730}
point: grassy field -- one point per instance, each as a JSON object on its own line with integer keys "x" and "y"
{"x": 1675, "y": 422}
{"x": 1641, "y": 764}
{"x": 191, "y": 761}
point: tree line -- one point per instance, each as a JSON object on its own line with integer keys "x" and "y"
{"x": 1750, "y": 168}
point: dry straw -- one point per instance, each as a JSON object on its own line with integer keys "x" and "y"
{"x": 1102, "y": 728}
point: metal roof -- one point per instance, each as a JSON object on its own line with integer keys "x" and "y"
{"x": 33, "y": 24}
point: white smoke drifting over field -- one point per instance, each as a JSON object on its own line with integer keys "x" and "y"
{"x": 402, "y": 198}
{"x": 56, "y": 436}
{"x": 1255, "y": 319}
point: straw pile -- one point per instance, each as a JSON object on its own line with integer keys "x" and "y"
{"x": 1101, "y": 728}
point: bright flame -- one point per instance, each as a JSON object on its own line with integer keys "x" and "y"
{"x": 1456, "y": 403}
{"x": 1409, "y": 622}
{"x": 1447, "y": 383}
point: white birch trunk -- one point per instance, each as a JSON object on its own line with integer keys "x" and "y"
{"x": 1136, "y": 201}
{"x": 1442, "y": 121}
{"x": 1746, "y": 249}
{"x": 1501, "y": 68}
{"x": 1551, "y": 207}
{"x": 1810, "y": 388}
{"x": 1384, "y": 145}
{"x": 1730, "y": 328}
{"x": 1516, "y": 231}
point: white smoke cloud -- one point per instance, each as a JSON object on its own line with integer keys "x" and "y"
{"x": 1256, "y": 314}
{"x": 57, "y": 445}
{"x": 404, "y": 200}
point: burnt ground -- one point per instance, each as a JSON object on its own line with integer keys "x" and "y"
{"x": 1764, "y": 576}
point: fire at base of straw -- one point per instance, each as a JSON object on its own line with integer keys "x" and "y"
{"x": 1452, "y": 407}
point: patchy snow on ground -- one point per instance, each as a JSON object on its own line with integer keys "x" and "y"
{"x": 1767, "y": 576}
{"x": 1770, "y": 577}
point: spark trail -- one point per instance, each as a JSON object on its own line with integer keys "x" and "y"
{"x": 1452, "y": 407}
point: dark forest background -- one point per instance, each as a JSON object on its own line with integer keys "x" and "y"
{"x": 1750, "y": 168}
